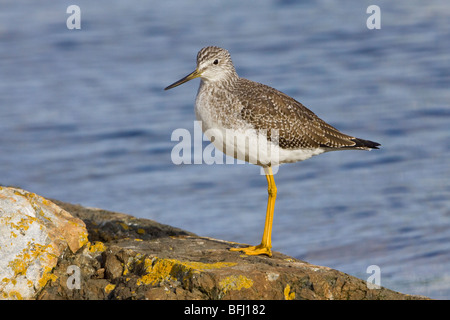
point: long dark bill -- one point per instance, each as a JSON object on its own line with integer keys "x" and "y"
{"x": 190, "y": 76}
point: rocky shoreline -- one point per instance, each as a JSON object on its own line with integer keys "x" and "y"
{"x": 53, "y": 250}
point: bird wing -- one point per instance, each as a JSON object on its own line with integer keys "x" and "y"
{"x": 295, "y": 125}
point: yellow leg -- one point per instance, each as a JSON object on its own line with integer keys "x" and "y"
{"x": 266, "y": 243}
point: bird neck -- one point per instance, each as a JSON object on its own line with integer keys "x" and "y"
{"x": 225, "y": 83}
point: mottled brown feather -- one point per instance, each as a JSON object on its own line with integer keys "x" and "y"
{"x": 298, "y": 127}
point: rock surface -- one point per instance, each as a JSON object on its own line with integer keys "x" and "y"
{"x": 34, "y": 232}
{"x": 131, "y": 258}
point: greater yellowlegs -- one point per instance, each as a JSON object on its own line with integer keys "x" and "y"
{"x": 259, "y": 124}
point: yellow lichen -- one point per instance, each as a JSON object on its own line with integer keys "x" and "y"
{"x": 141, "y": 231}
{"x": 18, "y": 265}
{"x": 23, "y": 260}
{"x": 82, "y": 240}
{"x": 46, "y": 276}
{"x": 200, "y": 266}
{"x": 110, "y": 287}
{"x": 96, "y": 247}
{"x": 235, "y": 283}
{"x": 22, "y": 225}
{"x": 124, "y": 226}
{"x": 159, "y": 270}
{"x": 288, "y": 295}
{"x": 15, "y": 295}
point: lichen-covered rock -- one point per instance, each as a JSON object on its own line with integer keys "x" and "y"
{"x": 34, "y": 233}
{"x": 131, "y": 258}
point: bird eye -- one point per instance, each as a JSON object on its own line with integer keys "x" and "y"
{"x": 216, "y": 61}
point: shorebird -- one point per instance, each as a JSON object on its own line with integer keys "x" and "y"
{"x": 256, "y": 123}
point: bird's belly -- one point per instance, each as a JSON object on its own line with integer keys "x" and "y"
{"x": 251, "y": 146}
{"x": 242, "y": 145}
{"x": 295, "y": 155}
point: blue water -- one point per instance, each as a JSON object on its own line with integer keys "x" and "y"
{"x": 84, "y": 119}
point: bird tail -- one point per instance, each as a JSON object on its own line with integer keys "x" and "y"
{"x": 364, "y": 144}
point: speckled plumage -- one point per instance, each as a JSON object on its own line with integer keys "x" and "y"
{"x": 258, "y": 124}
{"x": 228, "y": 104}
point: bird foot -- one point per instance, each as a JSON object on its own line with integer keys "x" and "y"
{"x": 255, "y": 250}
